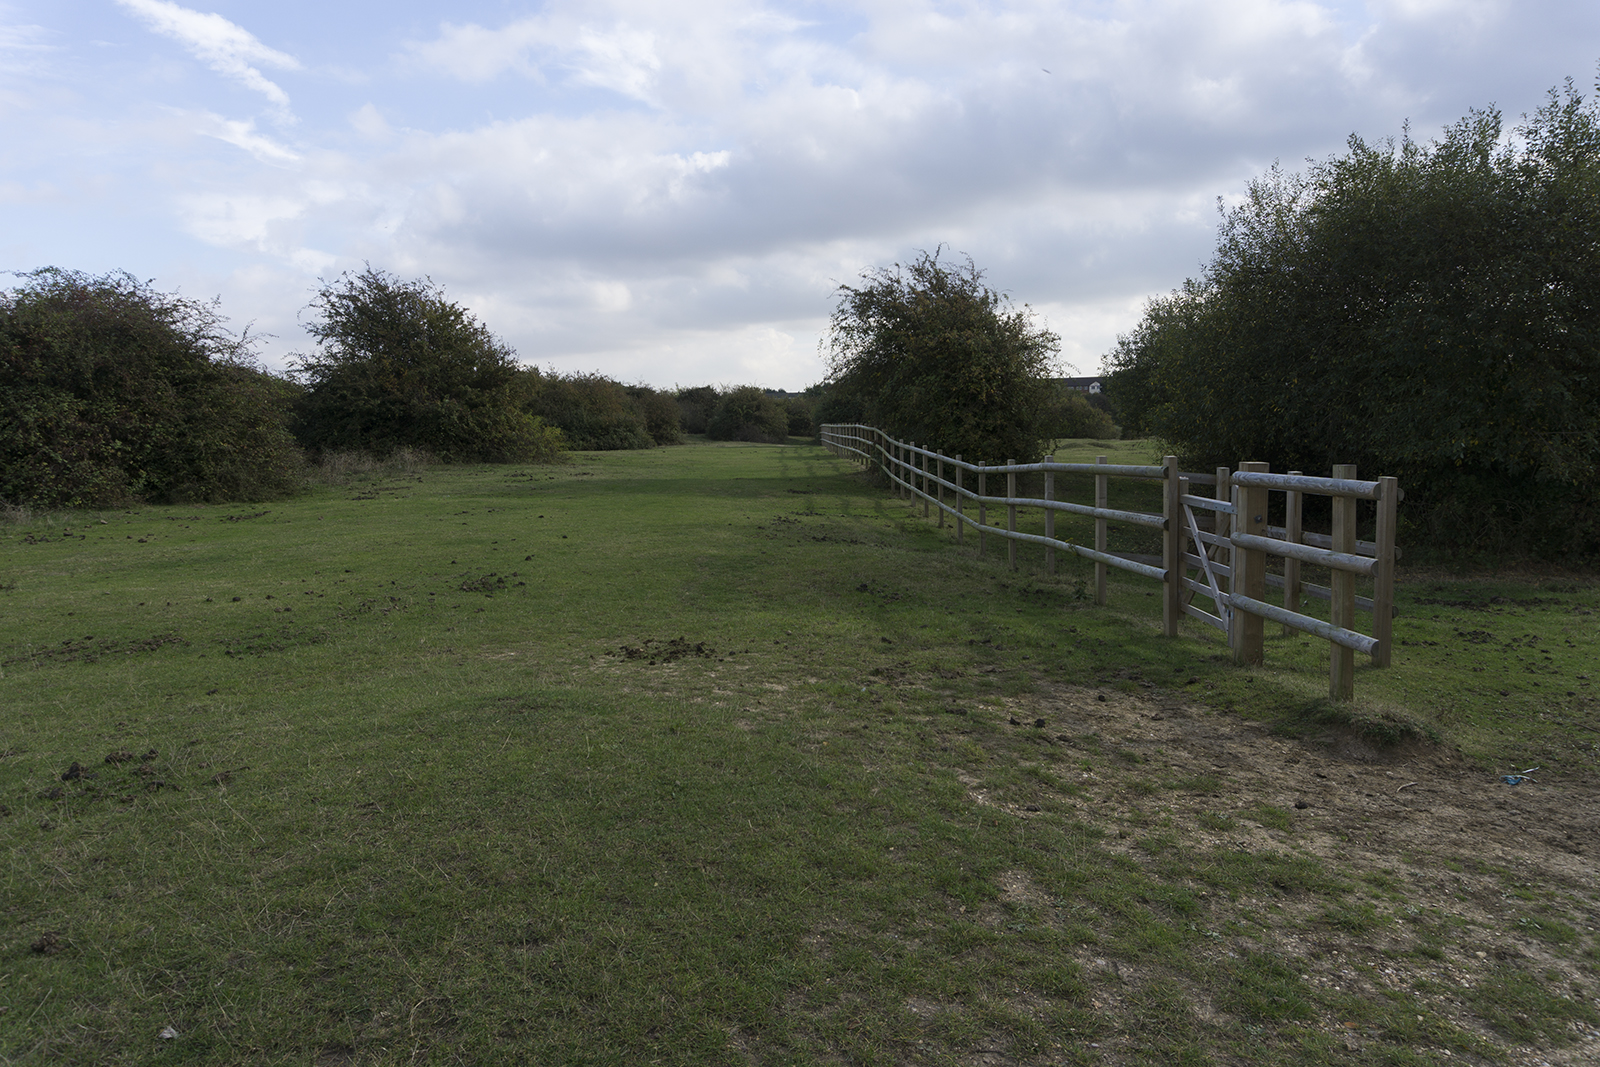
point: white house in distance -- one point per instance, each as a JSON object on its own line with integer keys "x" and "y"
{"x": 1089, "y": 385}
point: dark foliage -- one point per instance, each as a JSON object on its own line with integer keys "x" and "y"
{"x": 695, "y": 407}
{"x": 400, "y": 366}
{"x": 1427, "y": 311}
{"x": 835, "y": 405}
{"x": 596, "y": 413}
{"x": 111, "y": 392}
{"x": 748, "y": 414}
{"x": 797, "y": 410}
{"x": 934, "y": 356}
{"x": 1074, "y": 414}
{"x": 660, "y": 412}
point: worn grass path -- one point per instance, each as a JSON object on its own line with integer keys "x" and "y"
{"x": 703, "y": 755}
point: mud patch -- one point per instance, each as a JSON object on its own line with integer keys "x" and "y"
{"x": 266, "y": 642}
{"x": 655, "y": 651}
{"x": 89, "y": 649}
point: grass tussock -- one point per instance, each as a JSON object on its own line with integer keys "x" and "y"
{"x": 344, "y": 467}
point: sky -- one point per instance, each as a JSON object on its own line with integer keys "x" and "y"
{"x": 671, "y": 193}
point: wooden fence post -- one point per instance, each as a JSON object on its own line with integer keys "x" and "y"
{"x": 1011, "y": 515}
{"x": 922, "y": 477}
{"x": 938, "y": 474}
{"x": 1185, "y": 594}
{"x": 1291, "y": 567}
{"x": 1222, "y": 526}
{"x": 1050, "y": 517}
{"x": 1249, "y": 565}
{"x": 1342, "y": 664}
{"x": 1171, "y": 549}
{"x": 1102, "y": 486}
{"x": 961, "y": 513}
{"x": 983, "y": 508}
{"x": 1383, "y": 575}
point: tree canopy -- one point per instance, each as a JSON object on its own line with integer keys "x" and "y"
{"x": 398, "y": 365}
{"x": 112, "y": 393}
{"x": 1425, "y": 310}
{"x": 930, "y": 354}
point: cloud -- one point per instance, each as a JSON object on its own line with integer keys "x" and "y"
{"x": 18, "y": 38}
{"x": 663, "y": 188}
{"x": 225, "y": 47}
{"x": 617, "y": 57}
{"x": 242, "y": 134}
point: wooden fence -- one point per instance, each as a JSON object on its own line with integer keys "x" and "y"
{"x": 1230, "y": 542}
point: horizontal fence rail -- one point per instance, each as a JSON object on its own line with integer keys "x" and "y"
{"x": 1228, "y": 548}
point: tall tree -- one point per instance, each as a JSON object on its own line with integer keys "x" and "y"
{"x": 1425, "y": 310}
{"x": 399, "y": 365}
{"x": 933, "y": 355}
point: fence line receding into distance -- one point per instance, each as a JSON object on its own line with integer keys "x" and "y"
{"x": 1227, "y": 545}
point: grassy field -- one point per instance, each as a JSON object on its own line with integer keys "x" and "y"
{"x": 719, "y": 754}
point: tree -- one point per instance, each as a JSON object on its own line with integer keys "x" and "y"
{"x": 1429, "y": 311}
{"x": 112, "y": 392}
{"x": 596, "y": 413}
{"x": 398, "y": 365}
{"x": 934, "y": 356}
{"x": 1072, "y": 414}
{"x": 695, "y": 407}
{"x": 748, "y": 414}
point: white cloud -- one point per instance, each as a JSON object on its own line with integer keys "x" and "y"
{"x": 370, "y": 123}
{"x": 621, "y": 59}
{"x": 618, "y": 57}
{"x": 475, "y": 54}
{"x": 20, "y": 40}
{"x": 672, "y": 192}
{"x": 225, "y": 47}
{"x": 242, "y": 134}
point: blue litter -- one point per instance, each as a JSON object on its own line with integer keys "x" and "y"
{"x": 1519, "y": 778}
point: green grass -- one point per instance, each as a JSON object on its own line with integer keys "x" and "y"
{"x": 664, "y": 757}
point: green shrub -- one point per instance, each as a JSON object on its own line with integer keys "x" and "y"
{"x": 111, "y": 392}
{"x": 748, "y": 414}
{"x": 1072, "y": 415}
{"x": 797, "y": 410}
{"x": 1429, "y": 311}
{"x": 936, "y": 357}
{"x": 695, "y": 407}
{"x": 593, "y": 412}
{"x": 660, "y": 413}
{"x": 400, "y": 366}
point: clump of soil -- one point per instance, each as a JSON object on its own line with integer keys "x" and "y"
{"x": 666, "y": 651}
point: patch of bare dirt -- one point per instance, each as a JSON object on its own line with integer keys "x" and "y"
{"x": 1509, "y": 873}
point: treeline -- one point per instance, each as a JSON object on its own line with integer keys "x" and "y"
{"x": 596, "y": 413}
{"x": 112, "y": 392}
{"x": 1430, "y": 311}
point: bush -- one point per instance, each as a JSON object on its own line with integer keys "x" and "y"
{"x": 748, "y": 414}
{"x": 1426, "y": 311}
{"x": 111, "y": 392}
{"x": 1073, "y": 415}
{"x": 400, "y": 366}
{"x": 593, "y": 412}
{"x": 695, "y": 407}
{"x": 934, "y": 356}
{"x": 659, "y": 410}
{"x": 797, "y": 411}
